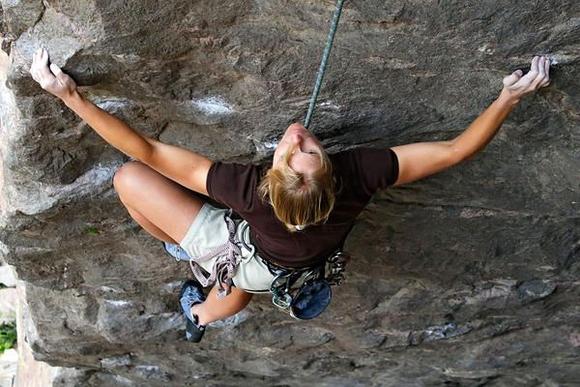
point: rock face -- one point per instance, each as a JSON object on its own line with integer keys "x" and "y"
{"x": 466, "y": 278}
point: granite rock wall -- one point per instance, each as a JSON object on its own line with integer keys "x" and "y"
{"x": 466, "y": 278}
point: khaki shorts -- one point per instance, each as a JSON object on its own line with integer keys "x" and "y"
{"x": 209, "y": 230}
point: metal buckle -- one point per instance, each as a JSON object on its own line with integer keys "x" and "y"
{"x": 337, "y": 264}
{"x": 283, "y": 300}
{"x": 280, "y": 295}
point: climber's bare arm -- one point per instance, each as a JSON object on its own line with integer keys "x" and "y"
{"x": 188, "y": 168}
{"x": 423, "y": 159}
{"x": 427, "y": 158}
{"x": 181, "y": 165}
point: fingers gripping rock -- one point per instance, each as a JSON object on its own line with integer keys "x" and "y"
{"x": 517, "y": 85}
{"x": 56, "y": 71}
{"x": 50, "y": 77}
{"x": 513, "y": 78}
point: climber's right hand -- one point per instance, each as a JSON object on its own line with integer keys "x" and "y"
{"x": 51, "y": 79}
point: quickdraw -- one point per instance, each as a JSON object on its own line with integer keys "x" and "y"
{"x": 306, "y": 293}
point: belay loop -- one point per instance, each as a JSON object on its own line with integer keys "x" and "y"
{"x": 322, "y": 68}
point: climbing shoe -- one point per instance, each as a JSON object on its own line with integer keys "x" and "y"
{"x": 191, "y": 294}
{"x": 176, "y": 251}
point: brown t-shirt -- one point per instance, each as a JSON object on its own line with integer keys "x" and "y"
{"x": 359, "y": 174}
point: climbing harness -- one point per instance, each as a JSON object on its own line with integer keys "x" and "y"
{"x": 322, "y": 68}
{"x": 305, "y": 293}
{"x": 225, "y": 266}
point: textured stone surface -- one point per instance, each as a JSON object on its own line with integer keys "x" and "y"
{"x": 8, "y": 363}
{"x": 7, "y": 276}
{"x": 466, "y": 278}
{"x": 8, "y": 300}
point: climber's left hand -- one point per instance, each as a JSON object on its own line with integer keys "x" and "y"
{"x": 51, "y": 79}
{"x": 518, "y": 85}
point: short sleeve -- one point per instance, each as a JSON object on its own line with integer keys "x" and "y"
{"x": 372, "y": 169}
{"x": 234, "y": 185}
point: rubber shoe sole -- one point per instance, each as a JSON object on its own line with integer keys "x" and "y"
{"x": 191, "y": 293}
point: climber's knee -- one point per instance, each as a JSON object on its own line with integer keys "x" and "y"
{"x": 126, "y": 178}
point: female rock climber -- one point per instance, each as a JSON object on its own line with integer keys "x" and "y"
{"x": 295, "y": 212}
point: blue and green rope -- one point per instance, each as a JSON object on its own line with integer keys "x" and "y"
{"x": 322, "y": 68}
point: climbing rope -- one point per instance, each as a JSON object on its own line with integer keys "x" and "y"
{"x": 322, "y": 68}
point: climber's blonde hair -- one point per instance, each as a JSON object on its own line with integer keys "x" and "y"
{"x": 299, "y": 199}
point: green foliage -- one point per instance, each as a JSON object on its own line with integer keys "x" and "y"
{"x": 92, "y": 231}
{"x": 7, "y": 336}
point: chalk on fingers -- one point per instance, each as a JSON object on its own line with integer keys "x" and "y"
{"x": 55, "y": 70}
{"x": 512, "y": 78}
{"x": 550, "y": 62}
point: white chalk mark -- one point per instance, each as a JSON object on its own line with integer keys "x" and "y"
{"x": 118, "y": 302}
{"x": 266, "y": 146}
{"x": 486, "y": 49}
{"x": 213, "y": 106}
{"x": 271, "y": 145}
{"x": 114, "y": 104}
{"x": 330, "y": 105}
{"x": 109, "y": 289}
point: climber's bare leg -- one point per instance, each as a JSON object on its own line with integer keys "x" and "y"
{"x": 148, "y": 226}
{"x": 215, "y": 308}
{"x": 162, "y": 207}
{"x": 166, "y": 210}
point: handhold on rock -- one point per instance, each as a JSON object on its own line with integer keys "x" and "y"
{"x": 535, "y": 289}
